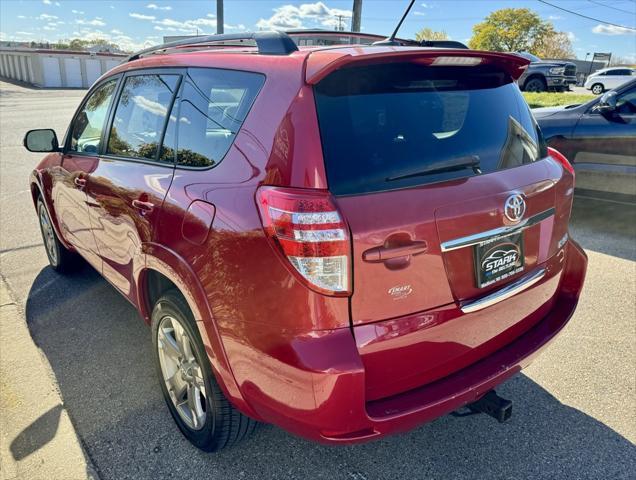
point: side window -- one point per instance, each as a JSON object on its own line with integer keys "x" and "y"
{"x": 140, "y": 115}
{"x": 87, "y": 128}
{"x": 214, "y": 104}
{"x": 626, "y": 102}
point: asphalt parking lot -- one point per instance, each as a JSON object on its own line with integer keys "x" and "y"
{"x": 574, "y": 411}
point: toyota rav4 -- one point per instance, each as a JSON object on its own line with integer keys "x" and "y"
{"x": 344, "y": 241}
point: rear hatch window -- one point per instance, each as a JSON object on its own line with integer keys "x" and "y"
{"x": 399, "y": 125}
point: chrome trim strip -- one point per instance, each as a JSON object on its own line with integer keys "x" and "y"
{"x": 504, "y": 293}
{"x": 496, "y": 232}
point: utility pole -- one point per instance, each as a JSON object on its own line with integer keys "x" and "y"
{"x": 357, "y": 15}
{"x": 339, "y": 28}
{"x": 219, "y": 16}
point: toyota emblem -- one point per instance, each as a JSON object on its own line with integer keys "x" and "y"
{"x": 515, "y": 208}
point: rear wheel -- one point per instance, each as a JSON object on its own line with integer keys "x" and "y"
{"x": 597, "y": 88}
{"x": 535, "y": 84}
{"x": 60, "y": 258}
{"x": 194, "y": 399}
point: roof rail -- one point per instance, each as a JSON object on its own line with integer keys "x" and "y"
{"x": 268, "y": 43}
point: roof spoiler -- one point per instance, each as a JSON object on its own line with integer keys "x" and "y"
{"x": 322, "y": 63}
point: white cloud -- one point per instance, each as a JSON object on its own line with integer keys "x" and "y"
{"x": 154, "y": 6}
{"x": 21, "y": 16}
{"x": 189, "y": 26}
{"x": 573, "y": 38}
{"x": 114, "y": 31}
{"x": 291, "y": 16}
{"x": 77, "y": 12}
{"x": 44, "y": 16}
{"x": 47, "y": 2}
{"x": 419, "y": 14}
{"x": 612, "y": 30}
{"x": 96, "y": 22}
{"x": 554, "y": 17}
{"x": 227, "y": 26}
{"x": 139, "y": 16}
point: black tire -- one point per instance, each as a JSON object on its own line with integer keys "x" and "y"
{"x": 224, "y": 426}
{"x": 535, "y": 84}
{"x": 60, "y": 258}
{"x": 597, "y": 88}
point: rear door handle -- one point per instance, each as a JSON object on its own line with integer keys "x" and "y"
{"x": 143, "y": 206}
{"x": 80, "y": 182}
{"x": 380, "y": 254}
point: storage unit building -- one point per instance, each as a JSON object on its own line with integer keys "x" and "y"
{"x": 56, "y": 68}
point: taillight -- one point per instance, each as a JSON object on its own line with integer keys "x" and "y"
{"x": 307, "y": 228}
{"x": 559, "y": 157}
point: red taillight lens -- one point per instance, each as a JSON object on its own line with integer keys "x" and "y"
{"x": 559, "y": 157}
{"x": 310, "y": 232}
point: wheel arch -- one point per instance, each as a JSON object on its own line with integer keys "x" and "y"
{"x": 37, "y": 191}
{"x": 540, "y": 76}
{"x": 165, "y": 270}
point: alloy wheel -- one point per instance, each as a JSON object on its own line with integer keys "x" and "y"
{"x": 597, "y": 89}
{"x": 182, "y": 373}
{"x": 48, "y": 235}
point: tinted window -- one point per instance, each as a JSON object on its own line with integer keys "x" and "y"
{"x": 626, "y": 102}
{"x": 89, "y": 123}
{"x": 384, "y": 126}
{"x": 214, "y": 104}
{"x": 141, "y": 115}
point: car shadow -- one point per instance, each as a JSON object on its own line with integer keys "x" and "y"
{"x": 604, "y": 226}
{"x": 100, "y": 352}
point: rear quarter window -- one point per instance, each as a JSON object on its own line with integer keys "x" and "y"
{"x": 214, "y": 105}
{"x": 381, "y": 125}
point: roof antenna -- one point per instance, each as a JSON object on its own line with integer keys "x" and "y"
{"x": 391, "y": 40}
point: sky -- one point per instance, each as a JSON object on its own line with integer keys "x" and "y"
{"x": 135, "y": 24}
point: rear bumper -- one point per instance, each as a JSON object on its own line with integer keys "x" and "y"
{"x": 316, "y": 389}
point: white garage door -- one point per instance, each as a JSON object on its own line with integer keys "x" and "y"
{"x": 12, "y": 73}
{"x": 93, "y": 71}
{"x": 25, "y": 69}
{"x": 73, "y": 72}
{"x": 51, "y": 68}
{"x": 111, "y": 64}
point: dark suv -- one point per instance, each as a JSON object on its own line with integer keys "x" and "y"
{"x": 542, "y": 75}
{"x": 344, "y": 241}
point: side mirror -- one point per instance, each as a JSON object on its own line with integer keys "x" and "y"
{"x": 607, "y": 103}
{"x": 41, "y": 140}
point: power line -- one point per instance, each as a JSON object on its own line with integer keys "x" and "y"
{"x": 585, "y": 16}
{"x": 613, "y": 8}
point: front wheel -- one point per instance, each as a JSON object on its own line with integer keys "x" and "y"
{"x": 195, "y": 400}
{"x": 535, "y": 85}
{"x": 597, "y": 88}
{"x": 60, "y": 258}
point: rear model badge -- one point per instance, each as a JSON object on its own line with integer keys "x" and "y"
{"x": 515, "y": 207}
{"x": 400, "y": 291}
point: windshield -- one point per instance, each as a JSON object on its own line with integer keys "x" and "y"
{"x": 400, "y": 125}
{"x": 529, "y": 56}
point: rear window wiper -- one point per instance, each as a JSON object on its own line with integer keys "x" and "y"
{"x": 460, "y": 163}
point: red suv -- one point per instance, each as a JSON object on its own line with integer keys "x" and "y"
{"x": 344, "y": 241}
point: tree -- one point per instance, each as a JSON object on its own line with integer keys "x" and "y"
{"x": 430, "y": 34}
{"x": 520, "y": 30}
{"x": 554, "y": 45}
